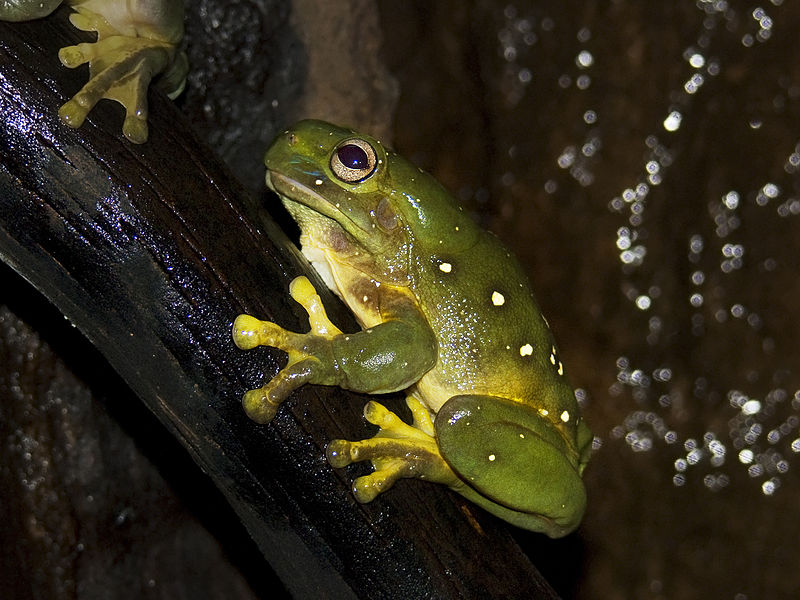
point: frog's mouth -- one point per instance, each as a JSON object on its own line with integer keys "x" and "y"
{"x": 337, "y": 234}
{"x": 292, "y": 191}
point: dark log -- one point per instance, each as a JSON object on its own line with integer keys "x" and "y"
{"x": 151, "y": 251}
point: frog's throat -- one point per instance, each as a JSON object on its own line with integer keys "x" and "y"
{"x": 292, "y": 190}
{"x": 321, "y": 263}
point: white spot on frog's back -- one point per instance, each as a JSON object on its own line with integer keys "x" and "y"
{"x": 565, "y": 416}
{"x": 445, "y": 267}
{"x": 498, "y": 299}
{"x": 554, "y": 360}
{"x": 526, "y": 350}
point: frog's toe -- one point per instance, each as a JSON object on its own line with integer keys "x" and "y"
{"x": 133, "y": 97}
{"x": 82, "y": 21}
{"x": 173, "y": 80}
{"x": 135, "y": 127}
{"x": 393, "y": 426}
{"x": 89, "y": 21}
{"x": 367, "y": 488}
{"x": 249, "y": 332}
{"x": 259, "y": 406}
{"x": 75, "y": 56}
{"x": 377, "y": 414}
{"x": 245, "y": 332}
{"x": 303, "y": 292}
{"x": 74, "y": 111}
{"x": 338, "y": 453}
{"x": 364, "y": 489}
{"x": 341, "y": 453}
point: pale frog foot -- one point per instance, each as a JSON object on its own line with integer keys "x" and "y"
{"x": 121, "y": 68}
{"x": 397, "y": 451}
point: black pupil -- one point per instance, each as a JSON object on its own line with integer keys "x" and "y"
{"x": 353, "y": 157}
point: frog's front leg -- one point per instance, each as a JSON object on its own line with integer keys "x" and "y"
{"x": 385, "y": 358}
{"x": 397, "y": 451}
{"x": 304, "y": 351}
{"x": 121, "y": 67}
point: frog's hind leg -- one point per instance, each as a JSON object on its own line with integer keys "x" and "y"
{"x": 398, "y": 450}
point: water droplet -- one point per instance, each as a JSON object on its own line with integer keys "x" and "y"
{"x": 697, "y": 60}
{"x": 694, "y": 83}
{"x": 751, "y": 407}
{"x": 584, "y": 59}
{"x": 673, "y": 121}
{"x": 731, "y": 200}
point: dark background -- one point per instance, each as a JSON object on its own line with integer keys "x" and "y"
{"x": 548, "y": 121}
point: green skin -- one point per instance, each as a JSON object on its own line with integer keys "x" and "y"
{"x": 136, "y": 41}
{"x": 447, "y": 313}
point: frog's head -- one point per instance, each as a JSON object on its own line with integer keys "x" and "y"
{"x": 349, "y": 194}
{"x": 515, "y": 462}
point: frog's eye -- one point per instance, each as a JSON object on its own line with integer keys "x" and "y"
{"x": 353, "y": 161}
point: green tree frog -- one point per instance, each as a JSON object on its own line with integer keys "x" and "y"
{"x": 447, "y": 314}
{"x": 136, "y": 40}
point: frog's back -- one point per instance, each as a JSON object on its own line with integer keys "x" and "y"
{"x": 493, "y": 339}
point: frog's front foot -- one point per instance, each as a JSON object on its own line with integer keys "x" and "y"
{"x": 310, "y": 360}
{"x": 120, "y": 69}
{"x": 397, "y": 450}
